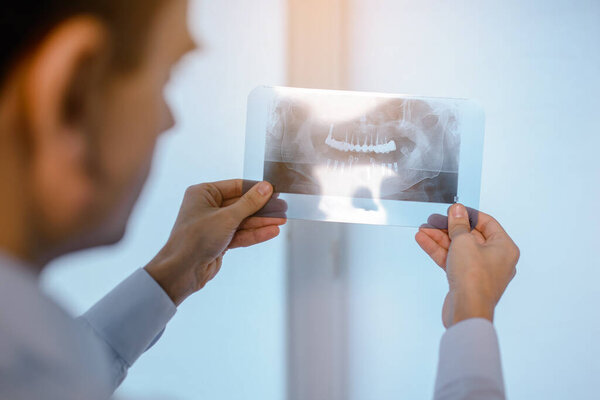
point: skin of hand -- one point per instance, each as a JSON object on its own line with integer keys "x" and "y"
{"x": 214, "y": 218}
{"x": 479, "y": 263}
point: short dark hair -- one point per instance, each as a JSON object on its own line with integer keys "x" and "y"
{"x": 24, "y": 23}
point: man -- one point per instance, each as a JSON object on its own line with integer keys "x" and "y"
{"x": 81, "y": 107}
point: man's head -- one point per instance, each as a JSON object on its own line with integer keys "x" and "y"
{"x": 81, "y": 108}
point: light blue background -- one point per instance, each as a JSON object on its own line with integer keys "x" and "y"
{"x": 534, "y": 67}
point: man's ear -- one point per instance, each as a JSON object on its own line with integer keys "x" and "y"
{"x": 59, "y": 98}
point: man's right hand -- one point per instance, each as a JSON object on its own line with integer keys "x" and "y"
{"x": 214, "y": 218}
{"x": 479, "y": 263}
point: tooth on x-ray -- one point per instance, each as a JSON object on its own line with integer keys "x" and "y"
{"x": 349, "y": 146}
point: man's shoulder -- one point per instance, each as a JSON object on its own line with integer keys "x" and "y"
{"x": 28, "y": 317}
{"x": 44, "y": 352}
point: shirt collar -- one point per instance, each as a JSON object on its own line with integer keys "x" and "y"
{"x": 11, "y": 268}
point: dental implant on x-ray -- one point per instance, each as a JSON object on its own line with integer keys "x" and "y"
{"x": 398, "y": 149}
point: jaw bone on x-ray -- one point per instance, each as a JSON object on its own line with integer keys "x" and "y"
{"x": 355, "y": 157}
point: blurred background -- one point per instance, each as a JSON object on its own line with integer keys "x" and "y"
{"x": 358, "y": 316}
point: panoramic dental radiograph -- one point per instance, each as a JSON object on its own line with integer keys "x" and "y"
{"x": 363, "y": 147}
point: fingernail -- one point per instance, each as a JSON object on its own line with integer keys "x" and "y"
{"x": 459, "y": 211}
{"x": 264, "y": 189}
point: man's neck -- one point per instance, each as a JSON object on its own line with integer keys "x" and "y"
{"x": 15, "y": 240}
{"x": 13, "y": 219}
{"x": 16, "y": 218}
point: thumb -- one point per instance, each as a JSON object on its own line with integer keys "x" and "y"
{"x": 252, "y": 201}
{"x": 458, "y": 221}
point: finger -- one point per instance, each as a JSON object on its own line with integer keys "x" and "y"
{"x": 229, "y": 189}
{"x": 441, "y": 221}
{"x": 437, "y": 253}
{"x": 230, "y": 201}
{"x": 251, "y": 202}
{"x": 250, "y": 237}
{"x": 438, "y": 221}
{"x": 439, "y": 236}
{"x": 275, "y": 208}
{"x": 259, "y": 222}
{"x": 458, "y": 221}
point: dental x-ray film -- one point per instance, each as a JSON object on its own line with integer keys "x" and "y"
{"x": 363, "y": 158}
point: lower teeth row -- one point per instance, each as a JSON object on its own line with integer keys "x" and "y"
{"x": 341, "y": 166}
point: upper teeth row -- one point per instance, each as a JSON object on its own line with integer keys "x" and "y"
{"x": 384, "y": 148}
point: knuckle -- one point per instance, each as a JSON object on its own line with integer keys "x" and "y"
{"x": 456, "y": 235}
{"x": 191, "y": 190}
{"x": 205, "y": 190}
{"x": 213, "y": 191}
{"x": 459, "y": 231}
{"x": 515, "y": 253}
{"x": 495, "y": 221}
{"x": 203, "y": 186}
{"x": 196, "y": 190}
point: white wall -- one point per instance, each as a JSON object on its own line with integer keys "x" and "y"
{"x": 227, "y": 342}
{"x": 534, "y": 66}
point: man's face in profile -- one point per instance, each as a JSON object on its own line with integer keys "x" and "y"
{"x": 81, "y": 110}
{"x": 134, "y": 114}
